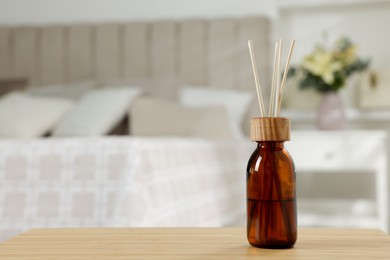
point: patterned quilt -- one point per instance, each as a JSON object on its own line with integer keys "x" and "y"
{"x": 120, "y": 181}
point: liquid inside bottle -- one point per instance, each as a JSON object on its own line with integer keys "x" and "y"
{"x": 271, "y": 197}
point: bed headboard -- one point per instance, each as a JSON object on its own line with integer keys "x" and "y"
{"x": 212, "y": 52}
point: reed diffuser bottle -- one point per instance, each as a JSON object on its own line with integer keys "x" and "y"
{"x": 271, "y": 201}
{"x": 270, "y": 176}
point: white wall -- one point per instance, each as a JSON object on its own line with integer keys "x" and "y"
{"x": 72, "y": 11}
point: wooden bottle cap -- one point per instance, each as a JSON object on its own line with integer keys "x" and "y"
{"x": 270, "y": 129}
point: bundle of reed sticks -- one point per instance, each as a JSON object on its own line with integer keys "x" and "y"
{"x": 278, "y": 81}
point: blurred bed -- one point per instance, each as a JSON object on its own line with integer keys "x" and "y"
{"x": 76, "y": 70}
{"x": 178, "y": 92}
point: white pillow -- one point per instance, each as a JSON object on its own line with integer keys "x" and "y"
{"x": 24, "y": 115}
{"x": 98, "y": 112}
{"x": 235, "y": 102}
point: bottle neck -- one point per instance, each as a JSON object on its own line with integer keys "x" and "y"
{"x": 270, "y": 144}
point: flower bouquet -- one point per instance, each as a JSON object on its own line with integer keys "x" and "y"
{"x": 328, "y": 69}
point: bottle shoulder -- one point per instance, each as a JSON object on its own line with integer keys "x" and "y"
{"x": 281, "y": 153}
{"x": 263, "y": 155}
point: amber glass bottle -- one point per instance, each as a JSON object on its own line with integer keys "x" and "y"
{"x": 271, "y": 201}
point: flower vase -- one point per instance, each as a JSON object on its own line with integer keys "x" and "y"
{"x": 331, "y": 114}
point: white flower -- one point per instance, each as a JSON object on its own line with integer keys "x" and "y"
{"x": 322, "y": 64}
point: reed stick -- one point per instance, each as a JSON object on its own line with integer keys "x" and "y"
{"x": 257, "y": 81}
{"x": 285, "y": 73}
{"x": 273, "y": 91}
{"x": 278, "y": 79}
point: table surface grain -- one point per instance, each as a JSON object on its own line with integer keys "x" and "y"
{"x": 190, "y": 243}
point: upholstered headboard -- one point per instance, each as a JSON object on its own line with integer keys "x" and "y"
{"x": 210, "y": 52}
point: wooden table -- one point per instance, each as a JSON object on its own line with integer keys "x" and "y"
{"x": 190, "y": 243}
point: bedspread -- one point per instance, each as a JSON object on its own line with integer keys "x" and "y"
{"x": 120, "y": 181}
